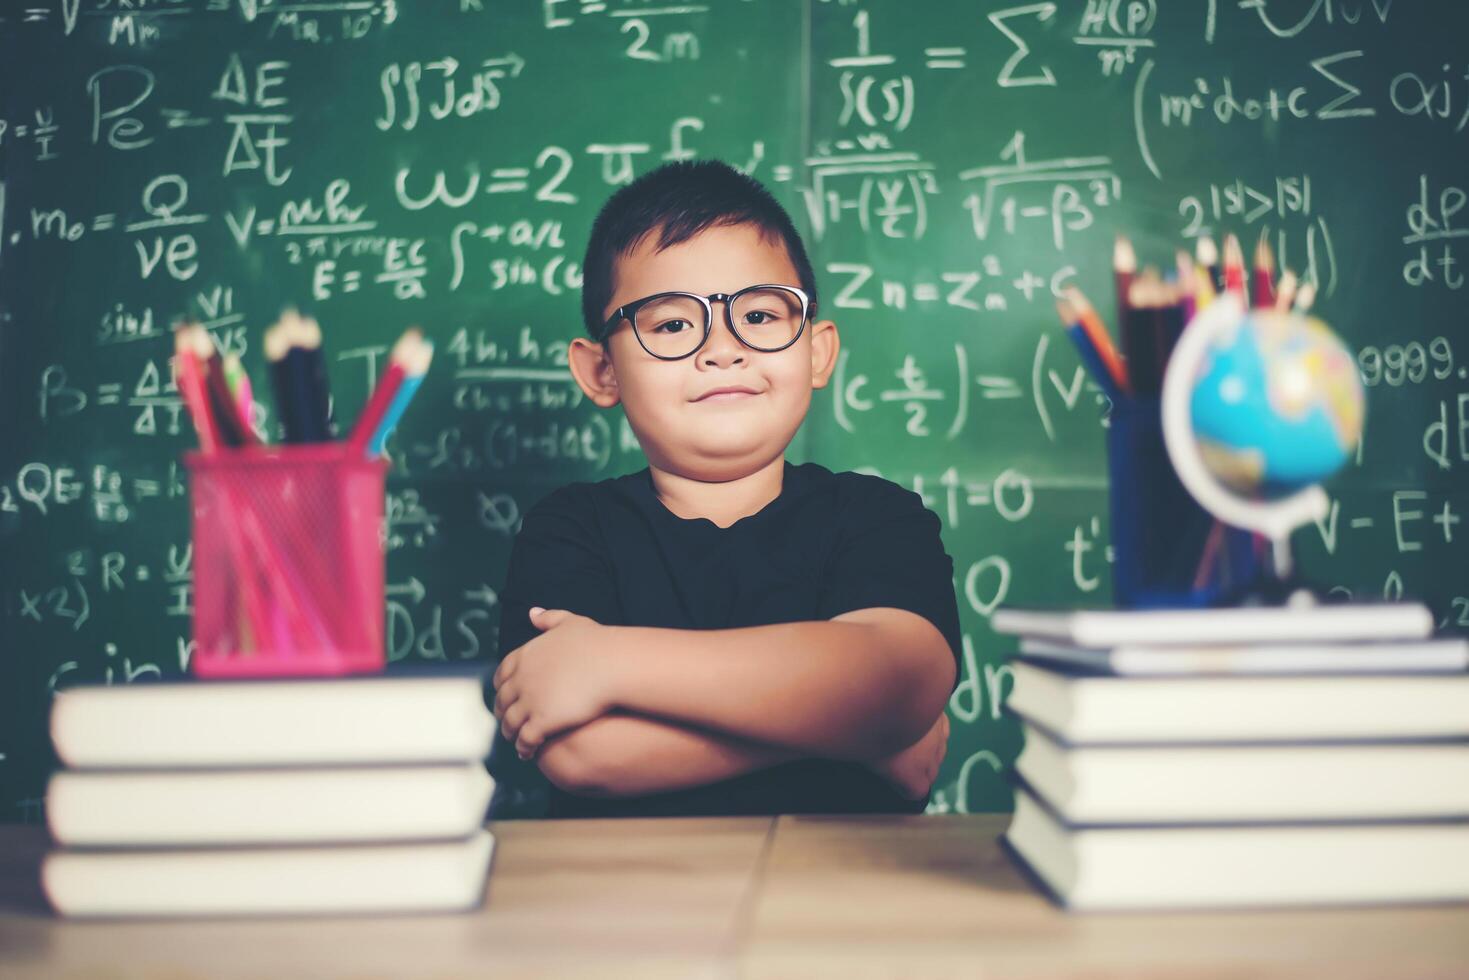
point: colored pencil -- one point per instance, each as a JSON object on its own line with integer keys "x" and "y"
{"x": 308, "y": 338}
{"x": 1097, "y": 333}
{"x": 383, "y": 393}
{"x": 1264, "y": 279}
{"x": 299, "y": 371}
{"x": 1187, "y": 284}
{"x": 1140, "y": 339}
{"x": 191, "y": 388}
{"x": 1305, "y": 297}
{"x": 241, "y": 389}
{"x": 1234, "y": 266}
{"x": 1124, "y": 267}
{"x": 233, "y": 428}
{"x": 1285, "y": 292}
{"x": 1207, "y": 254}
{"x": 417, "y": 368}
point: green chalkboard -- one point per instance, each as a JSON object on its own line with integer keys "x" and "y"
{"x": 439, "y": 163}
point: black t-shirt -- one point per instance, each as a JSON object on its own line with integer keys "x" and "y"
{"x": 828, "y": 544}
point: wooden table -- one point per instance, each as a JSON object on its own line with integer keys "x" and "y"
{"x": 738, "y": 897}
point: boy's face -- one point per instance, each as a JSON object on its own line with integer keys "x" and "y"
{"x": 714, "y": 439}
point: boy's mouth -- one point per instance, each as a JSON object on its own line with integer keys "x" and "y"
{"x": 727, "y": 393}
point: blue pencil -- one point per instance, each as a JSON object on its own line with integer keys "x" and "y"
{"x": 416, "y": 367}
{"x": 1091, "y": 360}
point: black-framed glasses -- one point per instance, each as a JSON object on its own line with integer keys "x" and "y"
{"x": 672, "y": 325}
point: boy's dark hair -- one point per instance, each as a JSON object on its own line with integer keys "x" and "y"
{"x": 680, "y": 200}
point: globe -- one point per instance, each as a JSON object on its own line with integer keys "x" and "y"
{"x": 1276, "y": 405}
{"x": 1259, "y": 407}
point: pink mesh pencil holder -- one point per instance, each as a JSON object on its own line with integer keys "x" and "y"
{"x": 288, "y": 561}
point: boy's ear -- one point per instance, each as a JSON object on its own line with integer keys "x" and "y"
{"x": 825, "y": 345}
{"x": 591, "y": 366}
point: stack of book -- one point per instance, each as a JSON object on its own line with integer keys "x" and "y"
{"x": 1241, "y": 757}
{"x": 265, "y": 797}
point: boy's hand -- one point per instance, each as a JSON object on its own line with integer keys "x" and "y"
{"x": 913, "y": 770}
{"x": 558, "y": 681}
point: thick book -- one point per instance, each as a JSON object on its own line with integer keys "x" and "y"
{"x": 1215, "y": 867}
{"x": 396, "y": 717}
{"x": 1250, "y": 624}
{"x": 1090, "y": 708}
{"x": 1246, "y": 783}
{"x": 1443, "y": 656}
{"x": 431, "y": 876}
{"x": 201, "y": 808}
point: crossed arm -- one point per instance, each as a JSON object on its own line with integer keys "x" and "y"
{"x": 655, "y": 715}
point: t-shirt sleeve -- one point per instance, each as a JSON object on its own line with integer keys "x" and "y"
{"x": 890, "y": 554}
{"x": 557, "y": 562}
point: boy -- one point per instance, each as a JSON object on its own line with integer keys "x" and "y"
{"x": 721, "y": 632}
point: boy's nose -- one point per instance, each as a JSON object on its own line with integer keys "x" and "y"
{"x": 722, "y": 347}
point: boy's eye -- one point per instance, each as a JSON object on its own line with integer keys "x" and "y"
{"x": 757, "y": 317}
{"x": 672, "y": 326}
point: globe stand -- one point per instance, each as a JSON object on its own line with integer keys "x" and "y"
{"x": 1275, "y": 519}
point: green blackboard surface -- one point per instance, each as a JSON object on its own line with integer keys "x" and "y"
{"x": 437, "y": 162}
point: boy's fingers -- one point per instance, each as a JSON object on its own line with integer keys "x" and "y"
{"x": 505, "y": 695}
{"x": 528, "y": 744}
{"x": 506, "y": 670}
{"x": 510, "y": 724}
{"x": 552, "y": 617}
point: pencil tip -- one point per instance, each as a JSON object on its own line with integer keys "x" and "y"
{"x": 1207, "y": 251}
{"x": 1124, "y": 257}
{"x": 1264, "y": 256}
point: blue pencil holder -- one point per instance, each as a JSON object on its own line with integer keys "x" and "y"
{"x": 1167, "y": 550}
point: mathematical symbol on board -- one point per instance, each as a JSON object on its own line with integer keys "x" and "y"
{"x": 351, "y": 282}
{"x": 1447, "y": 518}
{"x": 925, "y": 292}
{"x": 179, "y": 118}
{"x": 508, "y": 180}
{"x": 979, "y": 494}
{"x": 994, "y": 387}
{"x": 35, "y": 15}
{"x": 1028, "y": 283}
{"x": 109, "y": 394}
{"x": 944, "y": 57}
{"x": 515, "y": 61}
{"x": 493, "y": 233}
{"x": 782, "y": 173}
{"x": 104, "y": 222}
{"x": 1236, "y": 201}
{"x": 412, "y": 588}
{"x": 142, "y": 573}
{"x": 30, "y": 605}
{"x": 21, "y": 131}
{"x": 484, "y": 594}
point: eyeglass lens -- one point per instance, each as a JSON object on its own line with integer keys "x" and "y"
{"x": 673, "y": 326}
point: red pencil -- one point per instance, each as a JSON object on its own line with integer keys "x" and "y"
{"x": 191, "y": 387}
{"x": 1234, "y": 267}
{"x": 382, "y": 395}
{"x": 1264, "y": 283}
